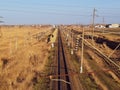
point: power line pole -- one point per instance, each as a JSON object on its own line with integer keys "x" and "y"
{"x": 103, "y": 24}
{"x": 0, "y": 32}
{"x": 93, "y": 22}
{"x": 82, "y": 54}
{"x": 16, "y": 43}
{"x": 0, "y": 28}
{"x": 114, "y": 50}
{"x": 93, "y": 28}
{"x": 103, "y": 20}
{"x": 72, "y": 42}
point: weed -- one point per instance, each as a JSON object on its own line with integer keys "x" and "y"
{"x": 44, "y": 83}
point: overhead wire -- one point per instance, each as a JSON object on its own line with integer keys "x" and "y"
{"x": 54, "y": 6}
{"x": 54, "y": 11}
{"x": 44, "y": 12}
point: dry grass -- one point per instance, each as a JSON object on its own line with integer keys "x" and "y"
{"x": 21, "y": 56}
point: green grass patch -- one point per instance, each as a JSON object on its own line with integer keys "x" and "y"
{"x": 44, "y": 83}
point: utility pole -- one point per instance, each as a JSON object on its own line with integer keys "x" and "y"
{"x": 94, "y": 14}
{"x": 114, "y": 50}
{"x": 0, "y": 32}
{"x": 0, "y": 28}
{"x": 103, "y": 24}
{"x": 72, "y": 42}
{"x": 16, "y": 44}
{"x": 93, "y": 21}
{"x": 103, "y": 20}
{"x": 82, "y": 54}
{"x": 11, "y": 47}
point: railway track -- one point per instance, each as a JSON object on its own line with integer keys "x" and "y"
{"x": 62, "y": 67}
{"x": 111, "y": 64}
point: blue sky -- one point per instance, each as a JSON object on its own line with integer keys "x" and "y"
{"x": 59, "y": 11}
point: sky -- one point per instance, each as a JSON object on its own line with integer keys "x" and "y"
{"x": 59, "y": 11}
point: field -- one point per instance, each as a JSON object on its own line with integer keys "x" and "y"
{"x": 23, "y": 53}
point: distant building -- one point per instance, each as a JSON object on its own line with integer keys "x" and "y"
{"x": 113, "y": 25}
{"x": 53, "y": 26}
{"x": 99, "y": 26}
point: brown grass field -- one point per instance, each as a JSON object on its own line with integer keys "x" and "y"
{"x": 21, "y": 56}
